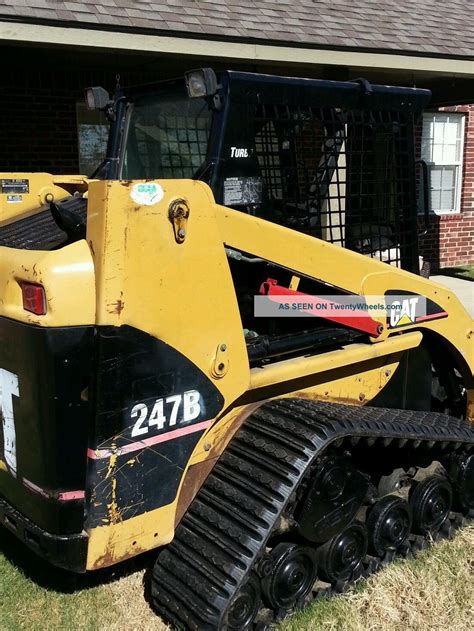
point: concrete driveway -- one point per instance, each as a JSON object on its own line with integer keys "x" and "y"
{"x": 464, "y": 289}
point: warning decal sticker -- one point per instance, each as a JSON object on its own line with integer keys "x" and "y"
{"x": 147, "y": 193}
{"x": 242, "y": 191}
{"x": 14, "y": 199}
{"x": 10, "y": 187}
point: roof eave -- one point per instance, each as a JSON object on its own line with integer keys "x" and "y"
{"x": 73, "y": 34}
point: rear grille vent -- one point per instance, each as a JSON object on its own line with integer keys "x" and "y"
{"x": 40, "y": 231}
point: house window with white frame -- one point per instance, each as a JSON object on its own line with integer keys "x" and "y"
{"x": 442, "y": 148}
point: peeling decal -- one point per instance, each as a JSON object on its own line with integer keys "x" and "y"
{"x": 155, "y": 406}
{"x": 147, "y": 193}
{"x": 62, "y": 496}
{"x": 9, "y": 389}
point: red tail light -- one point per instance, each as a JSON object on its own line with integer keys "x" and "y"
{"x": 34, "y": 298}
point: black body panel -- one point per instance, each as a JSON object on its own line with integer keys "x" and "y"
{"x": 410, "y": 386}
{"x": 52, "y": 368}
{"x": 65, "y": 551}
{"x": 130, "y": 475}
{"x": 48, "y": 492}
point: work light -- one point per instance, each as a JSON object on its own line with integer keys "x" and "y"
{"x": 97, "y": 98}
{"x": 201, "y": 82}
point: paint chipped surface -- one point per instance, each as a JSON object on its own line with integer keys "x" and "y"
{"x": 113, "y": 510}
{"x": 112, "y": 507}
{"x": 116, "y": 307}
{"x": 119, "y": 306}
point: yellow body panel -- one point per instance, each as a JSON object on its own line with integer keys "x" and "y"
{"x": 147, "y": 280}
{"x": 67, "y": 276}
{"x": 300, "y": 368}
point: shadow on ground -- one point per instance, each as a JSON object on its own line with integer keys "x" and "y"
{"x": 465, "y": 272}
{"x": 50, "y": 577}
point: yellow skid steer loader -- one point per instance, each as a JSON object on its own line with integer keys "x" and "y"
{"x": 220, "y": 346}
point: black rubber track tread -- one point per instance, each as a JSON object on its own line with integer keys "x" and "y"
{"x": 260, "y": 479}
{"x": 214, "y": 537}
{"x": 262, "y": 496}
{"x": 269, "y": 456}
{"x": 259, "y": 465}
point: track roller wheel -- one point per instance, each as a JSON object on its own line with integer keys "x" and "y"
{"x": 244, "y": 607}
{"x": 292, "y": 576}
{"x": 389, "y": 524}
{"x": 431, "y": 503}
{"x": 339, "y": 557}
{"x": 332, "y": 501}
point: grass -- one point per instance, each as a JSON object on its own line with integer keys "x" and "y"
{"x": 434, "y": 592}
{"x": 465, "y": 272}
{"x": 36, "y": 596}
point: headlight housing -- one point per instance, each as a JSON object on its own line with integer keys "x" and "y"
{"x": 201, "y": 82}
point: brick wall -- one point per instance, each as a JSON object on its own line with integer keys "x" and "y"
{"x": 38, "y": 130}
{"x": 450, "y": 239}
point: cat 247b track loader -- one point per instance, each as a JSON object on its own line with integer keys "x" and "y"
{"x": 147, "y": 404}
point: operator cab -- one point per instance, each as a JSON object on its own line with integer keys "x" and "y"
{"x": 332, "y": 159}
{"x": 335, "y": 160}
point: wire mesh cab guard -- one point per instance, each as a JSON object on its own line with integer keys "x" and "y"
{"x": 335, "y": 160}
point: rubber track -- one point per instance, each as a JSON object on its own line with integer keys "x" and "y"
{"x": 239, "y": 505}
